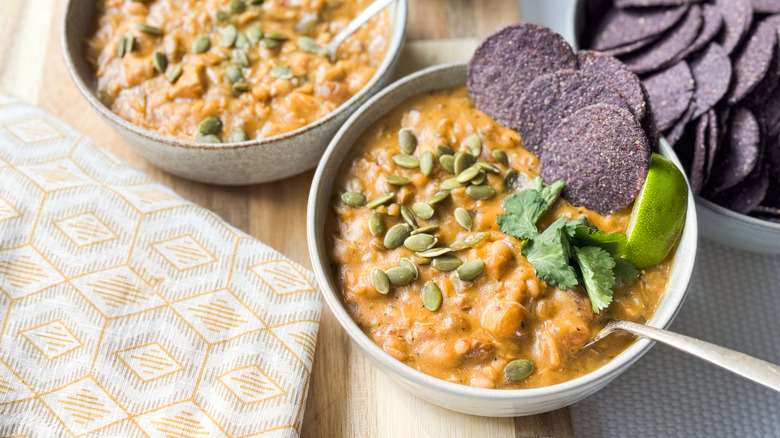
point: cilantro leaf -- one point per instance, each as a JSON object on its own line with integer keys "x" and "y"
{"x": 596, "y": 266}
{"x": 571, "y": 227}
{"x": 549, "y": 254}
{"x": 613, "y": 243}
{"x": 523, "y": 209}
{"x": 624, "y": 271}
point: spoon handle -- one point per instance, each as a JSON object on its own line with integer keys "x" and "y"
{"x": 359, "y": 20}
{"x": 749, "y": 367}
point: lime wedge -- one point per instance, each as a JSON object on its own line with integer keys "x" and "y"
{"x": 658, "y": 216}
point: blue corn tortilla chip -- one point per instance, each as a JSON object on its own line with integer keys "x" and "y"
{"x": 747, "y": 195}
{"x": 668, "y": 47}
{"x": 620, "y": 27}
{"x": 630, "y": 48}
{"x": 739, "y": 154}
{"x": 713, "y": 138}
{"x": 508, "y": 61}
{"x": 699, "y": 162}
{"x": 602, "y": 154}
{"x": 650, "y": 3}
{"x": 670, "y": 93}
{"x": 711, "y": 71}
{"x": 766, "y": 6}
{"x": 673, "y": 135}
{"x": 607, "y": 69}
{"x": 753, "y": 60}
{"x": 713, "y": 23}
{"x": 737, "y": 17}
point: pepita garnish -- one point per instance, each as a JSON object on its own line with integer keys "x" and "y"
{"x": 281, "y": 72}
{"x": 518, "y": 369}
{"x": 238, "y": 135}
{"x": 451, "y": 184}
{"x": 439, "y": 196}
{"x": 420, "y": 242}
{"x": 426, "y": 163}
{"x": 434, "y": 252}
{"x": 159, "y": 61}
{"x": 431, "y": 296}
{"x": 468, "y": 174}
{"x": 221, "y": 16}
{"x": 375, "y": 224}
{"x": 500, "y": 156}
{"x": 270, "y": 43}
{"x": 426, "y": 229}
{"x": 443, "y": 149}
{"x": 381, "y": 199}
{"x": 407, "y": 161}
{"x": 306, "y": 24}
{"x": 447, "y": 163}
{"x": 308, "y": 44}
{"x": 254, "y": 34}
{"x": 210, "y": 125}
{"x": 446, "y": 262}
{"x": 241, "y": 87}
{"x": 174, "y": 73}
{"x": 408, "y": 264}
{"x": 407, "y": 141}
{"x": 474, "y": 143}
{"x": 397, "y": 180}
{"x": 380, "y": 281}
{"x": 463, "y": 160}
{"x": 488, "y": 167}
{"x": 399, "y": 276}
{"x": 396, "y": 236}
{"x": 233, "y": 74}
{"x": 470, "y": 270}
{"x": 354, "y": 199}
{"x": 242, "y": 42}
{"x": 148, "y": 29}
{"x": 237, "y": 6}
{"x": 472, "y": 242}
{"x": 229, "y": 34}
{"x": 479, "y": 179}
{"x": 480, "y": 192}
{"x": 423, "y": 210}
{"x": 240, "y": 57}
{"x": 408, "y": 217}
{"x": 278, "y": 36}
{"x": 208, "y": 138}
{"x": 463, "y": 218}
{"x": 125, "y": 44}
{"x": 201, "y": 44}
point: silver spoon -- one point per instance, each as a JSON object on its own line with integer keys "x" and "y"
{"x": 749, "y": 367}
{"x": 359, "y": 20}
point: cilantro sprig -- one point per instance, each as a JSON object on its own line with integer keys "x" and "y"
{"x": 567, "y": 253}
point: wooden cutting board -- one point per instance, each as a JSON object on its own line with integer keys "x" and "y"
{"x": 348, "y": 397}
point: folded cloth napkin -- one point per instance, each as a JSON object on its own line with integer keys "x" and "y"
{"x": 127, "y": 311}
{"x": 734, "y": 301}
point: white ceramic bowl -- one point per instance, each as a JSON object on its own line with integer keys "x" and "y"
{"x": 254, "y": 161}
{"x": 477, "y": 401}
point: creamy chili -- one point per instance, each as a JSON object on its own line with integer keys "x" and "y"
{"x": 166, "y": 65}
{"x": 503, "y": 314}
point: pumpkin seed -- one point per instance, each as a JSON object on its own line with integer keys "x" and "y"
{"x": 233, "y": 74}
{"x": 281, "y": 72}
{"x": 407, "y": 141}
{"x": 270, "y": 43}
{"x": 396, "y": 236}
{"x": 474, "y": 144}
{"x": 241, "y": 86}
{"x": 375, "y": 224}
{"x": 439, "y": 196}
{"x": 488, "y": 167}
{"x": 237, "y": 6}
{"x": 422, "y": 210}
{"x": 468, "y": 174}
{"x": 210, "y": 125}
{"x": 470, "y": 270}
{"x": 238, "y": 135}
{"x": 426, "y": 163}
{"x": 421, "y": 260}
{"x": 159, "y": 61}
{"x": 174, "y": 73}
{"x": 399, "y": 276}
{"x": 381, "y": 199}
{"x": 407, "y": 161}
{"x": 408, "y": 217}
{"x": 125, "y": 45}
{"x": 397, "y": 180}
{"x": 518, "y": 369}
{"x": 463, "y": 218}
{"x": 256, "y": 2}
{"x": 500, "y": 156}
{"x": 242, "y": 42}
{"x": 278, "y": 36}
{"x": 229, "y": 34}
{"x": 306, "y": 24}
{"x": 420, "y": 242}
{"x": 426, "y": 229}
{"x": 354, "y": 199}
{"x": 240, "y": 57}
{"x": 221, "y": 16}
{"x": 208, "y": 138}
{"x": 431, "y": 296}
{"x": 201, "y": 44}
{"x": 447, "y": 162}
{"x": 380, "y": 281}
{"x": 472, "y": 242}
{"x": 308, "y": 44}
{"x": 149, "y": 29}
{"x": 451, "y": 184}
{"x": 254, "y": 34}
{"x": 434, "y": 252}
{"x": 481, "y": 192}
{"x": 443, "y": 149}
{"x": 479, "y": 179}
{"x": 408, "y": 264}
{"x": 463, "y": 160}
{"x": 446, "y": 263}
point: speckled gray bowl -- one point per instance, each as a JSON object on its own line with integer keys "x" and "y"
{"x": 250, "y": 162}
{"x": 477, "y": 401}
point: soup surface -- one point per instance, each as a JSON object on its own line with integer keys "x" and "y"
{"x": 166, "y": 65}
{"x": 503, "y": 314}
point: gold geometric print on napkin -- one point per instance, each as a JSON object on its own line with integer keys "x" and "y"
{"x": 127, "y": 311}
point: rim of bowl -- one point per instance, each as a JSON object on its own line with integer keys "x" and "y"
{"x": 626, "y": 357}
{"x": 396, "y": 42}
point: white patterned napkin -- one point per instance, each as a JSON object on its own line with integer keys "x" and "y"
{"x": 734, "y": 301}
{"x": 127, "y": 311}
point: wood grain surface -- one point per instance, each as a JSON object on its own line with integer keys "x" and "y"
{"x": 348, "y": 397}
